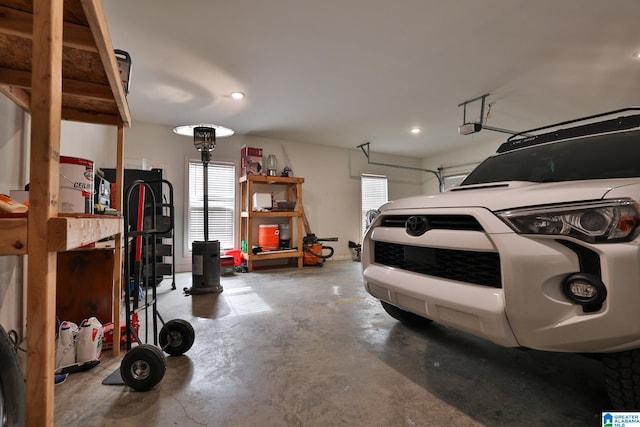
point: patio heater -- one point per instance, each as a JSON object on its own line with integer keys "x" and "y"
{"x": 205, "y": 259}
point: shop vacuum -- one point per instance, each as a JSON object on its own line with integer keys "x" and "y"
{"x": 313, "y": 250}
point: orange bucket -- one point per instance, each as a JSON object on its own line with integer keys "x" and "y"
{"x": 268, "y": 237}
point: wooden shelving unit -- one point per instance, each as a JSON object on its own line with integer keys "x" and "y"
{"x": 248, "y": 215}
{"x": 57, "y": 62}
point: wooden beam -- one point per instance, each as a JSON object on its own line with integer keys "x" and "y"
{"x": 17, "y": 95}
{"x": 16, "y": 22}
{"x": 118, "y": 274}
{"x": 43, "y": 204}
{"x": 98, "y": 23}
{"x": 66, "y": 233}
{"x": 78, "y": 37}
{"x": 16, "y": 78}
{"x": 86, "y": 90}
{"x": 89, "y": 117}
{"x": 15, "y": 83}
{"x": 19, "y": 23}
{"x": 22, "y": 79}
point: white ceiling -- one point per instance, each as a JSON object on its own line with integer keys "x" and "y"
{"x": 344, "y": 72}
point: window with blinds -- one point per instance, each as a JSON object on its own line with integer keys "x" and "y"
{"x": 221, "y": 189}
{"x": 373, "y": 194}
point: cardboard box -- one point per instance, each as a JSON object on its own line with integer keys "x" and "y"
{"x": 250, "y": 161}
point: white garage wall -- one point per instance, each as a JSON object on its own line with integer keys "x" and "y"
{"x": 12, "y": 172}
{"x": 87, "y": 141}
{"x": 331, "y": 192}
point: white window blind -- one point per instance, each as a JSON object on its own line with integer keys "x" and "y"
{"x": 373, "y": 194}
{"x": 221, "y": 189}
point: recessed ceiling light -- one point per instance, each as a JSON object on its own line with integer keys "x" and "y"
{"x": 187, "y": 130}
{"x": 237, "y": 95}
{"x": 415, "y": 131}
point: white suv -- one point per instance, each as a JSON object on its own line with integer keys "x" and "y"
{"x": 539, "y": 247}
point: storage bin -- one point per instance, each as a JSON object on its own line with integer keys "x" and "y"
{"x": 226, "y": 265}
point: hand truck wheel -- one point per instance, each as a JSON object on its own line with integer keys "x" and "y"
{"x": 143, "y": 367}
{"x": 12, "y": 392}
{"x": 176, "y": 337}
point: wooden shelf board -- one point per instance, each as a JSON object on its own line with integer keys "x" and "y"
{"x": 14, "y": 236}
{"x": 277, "y": 214}
{"x": 273, "y": 255}
{"x": 66, "y": 233}
{"x": 265, "y": 179}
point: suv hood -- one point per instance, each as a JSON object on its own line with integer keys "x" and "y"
{"x": 497, "y": 196}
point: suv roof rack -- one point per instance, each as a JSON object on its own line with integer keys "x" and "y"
{"x": 617, "y": 124}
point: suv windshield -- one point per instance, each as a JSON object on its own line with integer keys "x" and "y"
{"x": 595, "y": 157}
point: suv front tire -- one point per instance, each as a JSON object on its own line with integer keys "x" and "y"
{"x": 622, "y": 378}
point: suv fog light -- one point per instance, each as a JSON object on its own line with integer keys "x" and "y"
{"x": 585, "y": 289}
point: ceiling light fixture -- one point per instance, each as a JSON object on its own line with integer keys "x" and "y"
{"x": 237, "y": 95}
{"x": 415, "y": 130}
{"x": 636, "y": 55}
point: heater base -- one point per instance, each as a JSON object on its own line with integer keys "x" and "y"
{"x": 206, "y": 268}
{"x": 202, "y": 290}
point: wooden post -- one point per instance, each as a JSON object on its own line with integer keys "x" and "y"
{"x": 46, "y": 109}
{"x": 250, "y": 208}
{"x": 118, "y": 273}
{"x": 299, "y": 223}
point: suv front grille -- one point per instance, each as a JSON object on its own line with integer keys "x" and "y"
{"x": 441, "y": 222}
{"x": 480, "y": 268}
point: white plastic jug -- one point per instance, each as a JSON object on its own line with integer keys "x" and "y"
{"x": 89, "y": 344}
{"x": 66, "y": 344}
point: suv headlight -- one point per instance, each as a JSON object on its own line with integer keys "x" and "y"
{"x": 594, "y": 222}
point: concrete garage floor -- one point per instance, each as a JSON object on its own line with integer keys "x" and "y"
{"x": 308, "y": 347}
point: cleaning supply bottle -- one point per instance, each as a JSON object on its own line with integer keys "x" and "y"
{"x": 66, "y": 344}
{"x": 7, "y": 204}
{"x": 89, "y": 346}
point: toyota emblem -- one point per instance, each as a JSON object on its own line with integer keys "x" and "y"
{"x": 417, "y": 225}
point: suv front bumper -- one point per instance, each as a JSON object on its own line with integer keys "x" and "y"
{"x": 524, "y": 304}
